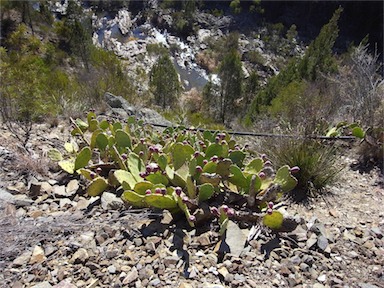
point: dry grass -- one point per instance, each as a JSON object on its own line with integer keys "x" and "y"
{"x": 207, "y": 60}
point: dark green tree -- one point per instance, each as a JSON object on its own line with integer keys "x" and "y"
{"x": 76, "y": 31}
{"x": 319, "y": 56}
{"x": 231, "y": 75}
{"x": 164, "y": 82}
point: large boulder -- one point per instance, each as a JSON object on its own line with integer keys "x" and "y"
{"x": 122, "y": 108}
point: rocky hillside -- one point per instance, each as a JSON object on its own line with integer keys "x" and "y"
{"x": 54, "y": 235}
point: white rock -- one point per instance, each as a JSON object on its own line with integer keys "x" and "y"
{"x": 322, "y": 278}
{"x": 124, "y": 21}
{"x": 111, "y": 201}
{"x": 22, "y": 259}
{"x": 203, "y": 34}
{"x": 38, "y": 255}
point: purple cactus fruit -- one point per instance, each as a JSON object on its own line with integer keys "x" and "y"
{"x": 148, "y": 192}
{"x": 199, "y": 169}
{"x": 141, "y": 153}
{"x": 201, "y": 143}
{"x": 230, "y": 212}
{"x": 99, "y": 170}
{"x": 148, "y": 168}
{"x": 217, "y": 139}
{"x": 163, "y": 191}
{"x": 196, "y": 154}
{"x": 264, "y": 157}
{"x": 225, "y": 208}
{"x": 294, "y": 169}
{"x": 205, "y": 161}
{"x": 270, "y": 205}
{"x": 178, "y": 191}
{"x": 267, "y": 163}
{"x": 92, "y": 175}
{"x": 223, "y": 142}
{"x": 124, "y": 156}
{"x": 246, "y": 146}
{"x": 155, "y": 168}
{"x": 230, "y": 151}
{"x": 158, "y": 190}
{"x": 214, "y": 158}
{"x": 262, "y": 175}
{"x": 185, "y": 199}
{"x": 142, "y": 140}
{"x": 269, "y": 211}
{"x": 214, "y": 211}
{"x": 156, "y": 149}
{"x": 192, "y": 218}
{"x": 143, "y": 174}
{"x": 204, "y": 146}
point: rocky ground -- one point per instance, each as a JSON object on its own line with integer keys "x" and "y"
{"x": 52, "y": 235}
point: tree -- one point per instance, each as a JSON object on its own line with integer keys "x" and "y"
{"x": 75, "y": 31}
{"x": 164, "y": 81}
{"x": 231, "y": 75}
{"x": 319, "y": 56}
{"x": 318, "y": 59}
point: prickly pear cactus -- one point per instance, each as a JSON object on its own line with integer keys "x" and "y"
{"x": 177, "y": 169}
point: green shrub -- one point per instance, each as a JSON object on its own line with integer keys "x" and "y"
{"x": 318, "y": 59}
{"x": 255, "y": 57}
{"x": 317, "y": 163}
{"x": 156, "y": 49}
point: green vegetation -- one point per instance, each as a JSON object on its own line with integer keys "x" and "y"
{"x": 317, "y": 59}
{"x": 231, "y": 76}
{"x": 317, "y": 162}
{"x": 164, "y": 81}
{"x": 59, "y": 73}
{"x": 183, "y": 171}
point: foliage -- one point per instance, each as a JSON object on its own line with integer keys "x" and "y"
{"x": 75, "y": 32}
{"x": 225, "y": 93}
{"x": 255, "y": 57}
{"x": 231, "y": 76}
{"x": 36, "y": 83}
{"x": 317, "y": 164}
{"x": 165, "y": 82}
{"x": 235, "y": 6}
{"x": 178, "y": 169}
{"x": 371, "y": 150}
{"x": 291, "y": 33}
{"x": 305, "y": 104}
{"x": 21, "y": 91}
{"x": 317, "y": 59}
{"x": 156, "y": 49}
{"x": 359, "y": 85}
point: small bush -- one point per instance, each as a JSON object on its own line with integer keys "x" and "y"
{"x": 371, "y": 150}
{"x": 255, "y": 57}
{"x": 317, "y": 163}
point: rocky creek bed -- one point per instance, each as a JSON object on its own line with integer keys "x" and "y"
{"x": 53, "y": 235}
